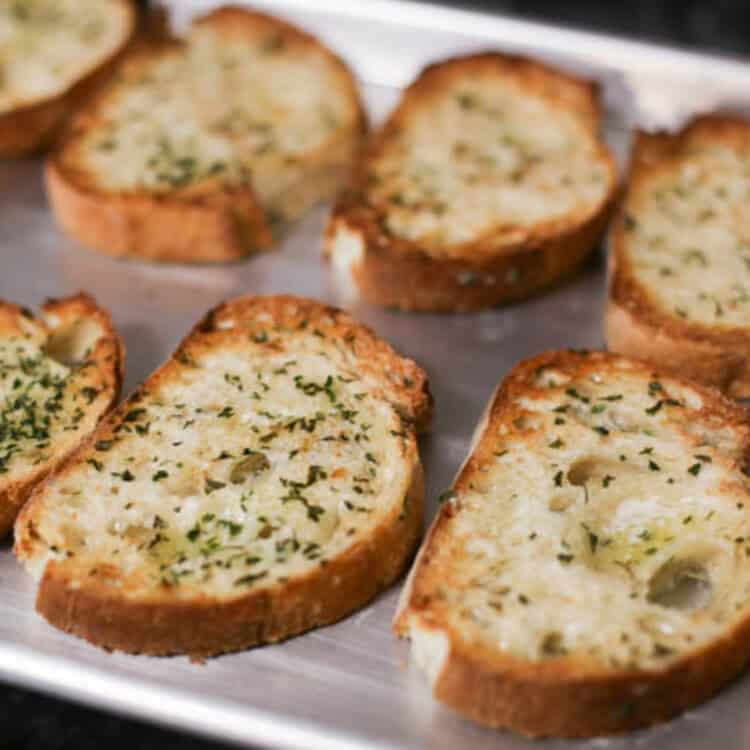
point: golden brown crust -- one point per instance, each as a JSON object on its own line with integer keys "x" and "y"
{"x": 396, "y": 272}
{"x": 634, "y": 324}
{"x": 207, "y": 223}
{"x": 204, "y": 625}
{"x": 564, "y": 697}
{"x": 208, "y": 228}
{"x": 36, "y": 125}
{"x": 108, "y": 357}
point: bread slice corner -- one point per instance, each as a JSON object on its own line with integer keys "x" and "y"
{"x": 587, "y": 573}
{"x": 487, "y": 183}
{"x": 206, "y": 147}
{"x": 55, "y": 54}
{"x": 679, "y": 286}
{"x": 59, "y": 375}
{"x": 264, "y": 481}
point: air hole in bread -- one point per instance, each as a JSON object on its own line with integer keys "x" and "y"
{"x": 680, "y": 584}
{"x": 72, "y": 343}
{"x": 594, "y": 469}
{"x": 546, "y": 378}
{"x": 582, "y": 472}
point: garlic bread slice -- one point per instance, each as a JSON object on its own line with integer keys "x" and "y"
{"x": 487, "y": 183}
{"x": 59, "y": 375}
{"x": 52, "y": 54}
{"x": 680, "y": 259}
{"x": 262, "y": 482}
{"x": 589, "y": 571}
{"x": 204, "y": 146}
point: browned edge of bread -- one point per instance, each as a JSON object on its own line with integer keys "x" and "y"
{"x": 194, "y": 226}
{"x": 633, "y": 324}
{"x": 108, "y": 356}
{"x": 396, "y": 272}
{"x": 206, "y": 626}
{"x": 35, "y": 126}
{"x": 559, "y": 697}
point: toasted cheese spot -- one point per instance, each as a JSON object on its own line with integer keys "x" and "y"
{"x": 220, "y": 110}
{"x": 251, "y": 463}
{"x": 484, "y": 158}
{"x": 47, "y": 45}
{"x": 619, "y": 536}
{"x": 687, "y": 235}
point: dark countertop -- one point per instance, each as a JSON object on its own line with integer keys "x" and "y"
{"x": 29, "y": 721}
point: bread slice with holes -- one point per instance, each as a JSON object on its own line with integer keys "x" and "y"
{"x": 205, "y": 146}
{"x": 53, "y": 53}
{"x": 589, "y": 571}
{"x": 488, "y": 183}
{"x": 679, "y": 290}
{"x": 59, "y": 375}
{"x": 262, "y": 482}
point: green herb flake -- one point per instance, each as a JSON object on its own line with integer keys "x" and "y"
{"x": 211, "y": 485}
{"x": 250, "y": 578}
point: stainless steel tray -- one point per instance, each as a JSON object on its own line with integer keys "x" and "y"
{"x": 347, "y": 686}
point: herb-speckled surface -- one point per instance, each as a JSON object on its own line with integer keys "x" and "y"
{"x": 349, "y": 685}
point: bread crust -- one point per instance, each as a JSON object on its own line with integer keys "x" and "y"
{"x": 203, "y": 625}
{"x": 634, "y": 324}
{"x": 108, "y": 357}
{"x": 396, "y": 272}
{"x": 36, "y": 125}
{"x": 207, "y": 223}
{"x": 562, "y": 697}
{"x": 205, "y": 228}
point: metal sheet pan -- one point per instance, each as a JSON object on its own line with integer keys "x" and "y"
{"x": 348, "y": 686}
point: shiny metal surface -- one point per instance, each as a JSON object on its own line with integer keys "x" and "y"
{"x": 348, "y": 686}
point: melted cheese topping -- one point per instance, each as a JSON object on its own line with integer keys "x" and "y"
{"x": 244, "y": 468}
{"x": 47, "y": 45}
{"x": 483, "y": 160}
{"x": 224, "y": 108}
{"x": 688, "y": 236}
{"x": 45, "y": 406}
{"x": 613, "y": 529}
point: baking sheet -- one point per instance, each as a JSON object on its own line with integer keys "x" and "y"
{"x": 348, "y": 686}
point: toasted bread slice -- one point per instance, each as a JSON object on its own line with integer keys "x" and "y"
{"x": 52, "y": 55}
{"x": 59, "y": 375}
{"x": 679, "y": 291}
{"x": 487, "y": 183}
{"x": 262, "y": 482}
{"x": 589, "y": 572}
{"x": 202, "y": 147}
